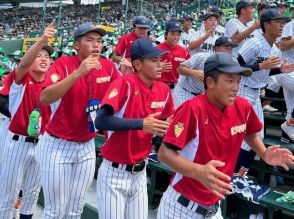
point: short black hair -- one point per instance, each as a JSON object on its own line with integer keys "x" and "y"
{"x": 214, "y": 75}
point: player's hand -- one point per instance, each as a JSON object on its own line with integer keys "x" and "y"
{"x": 276, "y": 156}
{"x": 87, "y": 65}
{"x": 125, "y": 62}
{"x": 49, "y": 31}
{"x": 210, "y": 31}
{"x": 270, "y": 63}
{"x": 287, "y": 67}
{"x": 256, "y": 25}
{"x": 198, "y": 74}
{"x": 166, "y": 66}
{"x": 216, "y": 181}
{"x": 155, "y": 126}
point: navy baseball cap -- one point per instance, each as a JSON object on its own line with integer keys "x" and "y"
{"x": 271, "y": 14}
{"x": 141, "y": 21}
{"x": 281, "y": 4}
{"x": 242, "y": 4}
{"x": 173, "y": 26}
{"x": 145, "y": 48}
{"x": 226, "y": 63}
{"x": 86, "y": 28}
{"x": 263, "y": 6}
{"x": 225, "y": 41}
{"x": 216, "y": 9}
{"x": 208, "y": 15}
{"x": 187, "y": 17}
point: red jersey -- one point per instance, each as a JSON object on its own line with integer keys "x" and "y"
{"x": 69, "y": 119}
{"x": 130, "y": 97}
{"x": 176, "y": 56}
{"x": 123, "y": 47}
{"x": 23, "y": 99}
{"x": 203, "y": 132}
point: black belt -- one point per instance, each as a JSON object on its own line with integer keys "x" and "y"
{"x": 171, "y": 85}
{"x": 251, "y": 87}
{"x": 206, "y": 212}
{"x": 66, "y": 139}
{"x": 195, "y": 94}
{"x": 27, "y": 139}
{"x": 135, "y": 168}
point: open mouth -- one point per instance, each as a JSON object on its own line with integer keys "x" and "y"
{"x": 95, "y": 52}
{"x": 43, "y": 65}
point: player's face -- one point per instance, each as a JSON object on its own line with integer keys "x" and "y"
{"x": 148, "y": 69}
{"x": 282, "y": 10}
{"x": 41, "y": 63}
{"x": 173, "y": 38}
{"x": 89, "y": 44}
{"x": 248, "y": 12}
{"x": 276, "y": 27}
{"x": 140, "y": 31}
{"x": 187, "y": 24}
{"x": 210, "y": 22}
{"x": 223, "y": 91}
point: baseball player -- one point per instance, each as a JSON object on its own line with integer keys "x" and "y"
{"x": 282, "y": 7}
{"x": 263, "y": 7}
{"x": 176, "y": 54}
{"x": 237, "y": 29}
{"x": 204, "y": 39}
{"x": 192, "y": 85}
{"x": 74, "y": 88}
{"x": 121, "y": 54}
{"x": 133, "y": 109}
{"x": 261, "y": 54}
{"x": 204, "y": 157}
{"x": 19, "y": 167}
{"x": 187, "y": 30}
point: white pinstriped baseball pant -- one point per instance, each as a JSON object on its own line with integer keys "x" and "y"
{"x": 19, "y": 171}
{"x": 170, "y": 208}
{"x": 67, "y": 171}
{"x": 121, "y": 194}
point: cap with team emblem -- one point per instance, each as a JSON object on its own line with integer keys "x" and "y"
{"x": 263, "y": 6}
{"x": 145, "y": 48}
{"x": 224, "y": 62}
{"x": 141, "y": 21}
{"x": 173, "y": 26}
{"x": 216, "y": 9}
{"x": 86, "y": 28}
{"x": 187, "y": 17}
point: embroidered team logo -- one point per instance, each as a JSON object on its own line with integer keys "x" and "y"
{"x": 206, "y": 121}
{"x": 103, "y": 79}
{"x": 55, "y": 78}
{"x": 238, "y": 129}
{"x": 30, "y": 82}
{"x": 178, "y": 129}
{"x": 137, "y": 92}
{"x": 113, "y": 93}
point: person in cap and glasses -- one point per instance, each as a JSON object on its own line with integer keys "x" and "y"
{"x": 28, "y": 120}
{"x": 237, "y": 29}
{"x": 176, "y": 54}
{"x": 74, "y": 87}
{"x": 203, "y": 142}
{"x": 187, "y": 30}
{"x": 132, "y": 111}
{"x": 204, "y": 39}
{"x": 264, "y": 58}
{"x": 282, "y": 7}
{"x": 192, "y": 85}
{"x": 121, "y": 54}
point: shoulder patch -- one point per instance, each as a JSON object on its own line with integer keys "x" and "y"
{"x": 113, "y": 93}
{"x": 55, "y": 77}
{"x": 178, "y": 129}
